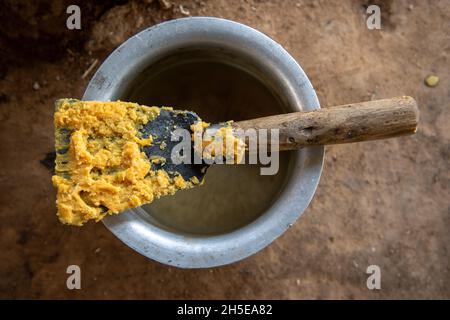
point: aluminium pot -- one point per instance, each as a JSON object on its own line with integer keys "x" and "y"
{"x": 243, "y": 47}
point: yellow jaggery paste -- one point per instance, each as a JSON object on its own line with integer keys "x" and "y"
{"x": 100, "y": 166}
{"x": 218, "y": 143}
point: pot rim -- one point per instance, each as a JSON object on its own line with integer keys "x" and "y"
{"x": 191, "y": 251}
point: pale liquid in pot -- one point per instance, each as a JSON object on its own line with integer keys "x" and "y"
{"x": 232, "y": 195}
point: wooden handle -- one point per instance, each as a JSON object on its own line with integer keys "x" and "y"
{"x": 354, "y": 122}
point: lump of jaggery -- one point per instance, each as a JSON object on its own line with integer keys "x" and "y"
{"x": 220, "y": 144}
{"x": 100, "y": 165}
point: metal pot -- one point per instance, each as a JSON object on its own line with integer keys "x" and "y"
{"x": 223, "y": 41}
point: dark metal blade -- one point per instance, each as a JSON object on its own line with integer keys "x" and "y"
{"x": 161, "y": 129}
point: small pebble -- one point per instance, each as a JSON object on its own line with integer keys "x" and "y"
{"x": 184, "y": 11}
{"x": 165, "y": 4}
{"x": 36, "y": 86}
{"x": 97, "y": 250}
{"x": 432, "y": 80}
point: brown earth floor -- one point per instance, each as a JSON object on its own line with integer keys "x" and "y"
{"x": 384, "y": 203}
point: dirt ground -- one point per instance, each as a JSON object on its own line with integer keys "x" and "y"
{"x": 384, "y": 203}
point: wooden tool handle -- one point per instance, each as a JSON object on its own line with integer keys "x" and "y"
{"x": 354, "y": 122}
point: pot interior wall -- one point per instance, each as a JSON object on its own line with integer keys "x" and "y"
{"x": 217, "y": 89}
